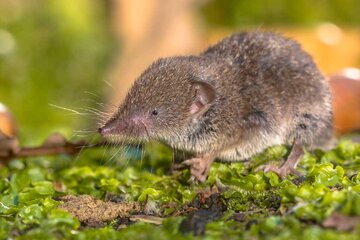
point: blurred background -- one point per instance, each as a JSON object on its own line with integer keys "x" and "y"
{"x": 79, "y": 54}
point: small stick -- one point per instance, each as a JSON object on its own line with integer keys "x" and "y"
{"x": 45, "y": 150}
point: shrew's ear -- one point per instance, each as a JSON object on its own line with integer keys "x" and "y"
{"x": 204, "y": 96}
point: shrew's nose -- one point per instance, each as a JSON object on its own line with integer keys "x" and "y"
{"x": 101, "y": 130}
{"x": 109, "y": 128}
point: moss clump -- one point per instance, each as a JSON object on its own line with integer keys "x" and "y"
{"x": 255, "y": 204}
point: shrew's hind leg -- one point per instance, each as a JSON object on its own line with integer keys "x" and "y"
{"x": 289, "y": 166}
{"x": 199, "y": 167}
{"x": 309, "y": 130}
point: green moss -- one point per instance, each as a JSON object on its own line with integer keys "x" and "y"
{"x": 271, "y": 207}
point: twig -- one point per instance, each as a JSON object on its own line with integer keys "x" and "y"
{"x": 68, "y": 148}
{"x": 9, "y": 148}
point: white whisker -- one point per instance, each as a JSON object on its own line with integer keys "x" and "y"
{"x": 109, "y": 84}
{"x": 66, "y": 109}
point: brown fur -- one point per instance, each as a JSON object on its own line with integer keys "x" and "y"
{"x": 268, "y": 91}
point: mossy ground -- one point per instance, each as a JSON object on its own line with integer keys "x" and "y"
{"x": 254, "y": 204}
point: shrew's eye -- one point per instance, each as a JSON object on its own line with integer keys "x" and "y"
{"x": 155, "y": 112}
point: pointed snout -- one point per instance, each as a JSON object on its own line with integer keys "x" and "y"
{"x": 111, "y": 127}
{"x": 103, "y": 131}
{"x": 132, "y": 126}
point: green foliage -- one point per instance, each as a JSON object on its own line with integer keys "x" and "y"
{"x": 232, "y": 13}
{"x": 272, "y": 207}
{"x": 51, "y": 52}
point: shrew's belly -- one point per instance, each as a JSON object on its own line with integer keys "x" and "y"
{"x": 247, "y": 149}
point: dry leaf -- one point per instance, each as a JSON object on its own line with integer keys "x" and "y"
{"x": 342, "y": 222}
{"x": 147, "y": 219}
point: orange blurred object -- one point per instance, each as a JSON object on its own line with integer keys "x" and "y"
{"x": 346, "y": 103}
{"x": 7, "y": 122}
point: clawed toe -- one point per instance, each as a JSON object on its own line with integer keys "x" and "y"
{"x": 282, "y": 171}
{"x": 199, "y": 168}
{"x": 290, "y": 164}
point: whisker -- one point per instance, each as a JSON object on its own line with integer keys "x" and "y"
{"x": 92, "y": 94}
{"x": 106, "y": 105}
{"x": 127, "y": 148}
{"x": 96, "y": 112}
{"x": 113, "y": 156}
{"x": 66, "y": 109}
{"x": 109, "y": 84}
{"x": 81, "y": 151}
{"x": 107, "y": 144}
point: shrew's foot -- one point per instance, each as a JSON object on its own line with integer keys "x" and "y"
{"x": 289, "y": 167}
{"x": 199, "y": 167}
